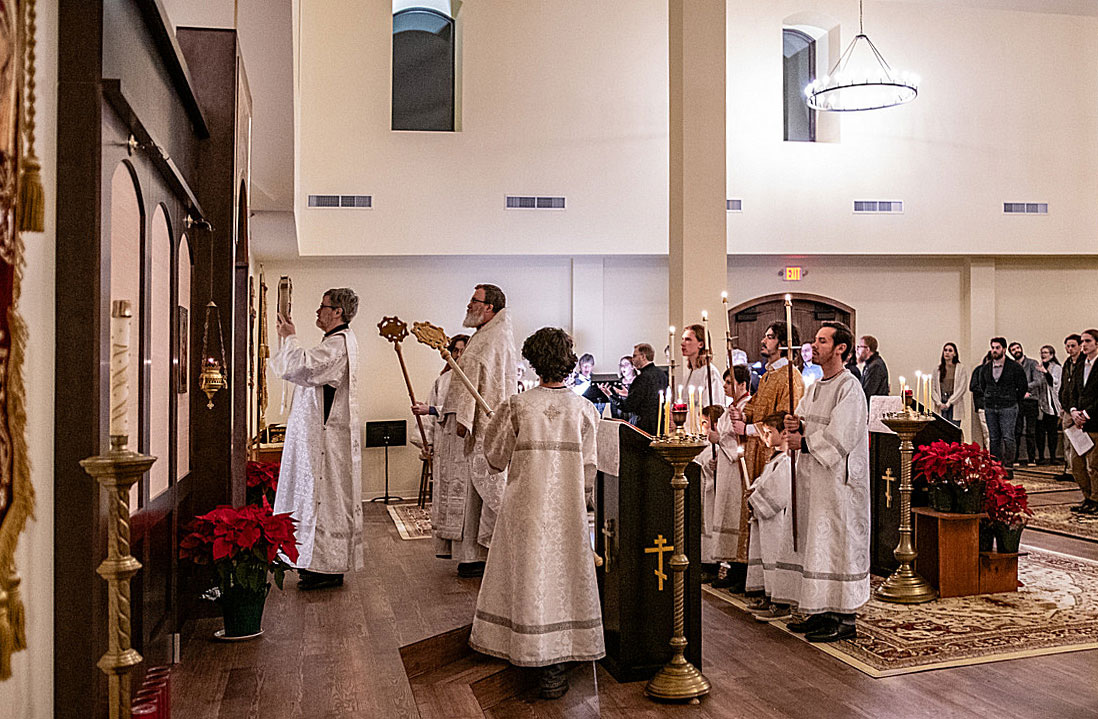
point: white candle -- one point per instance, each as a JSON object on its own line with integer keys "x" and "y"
{"x": 120, "y": 367}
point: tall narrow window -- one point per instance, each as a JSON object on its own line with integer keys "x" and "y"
{"x": 423, "y": 70}
{"x": 799, "y": 52}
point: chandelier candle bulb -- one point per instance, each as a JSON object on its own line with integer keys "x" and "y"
{"x": 120, "y": 367}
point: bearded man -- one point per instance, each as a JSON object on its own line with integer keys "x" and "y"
{"x": 468, "y": 493}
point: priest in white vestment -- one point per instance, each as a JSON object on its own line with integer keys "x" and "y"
{"x": 830, "y": 570}
{"x": 321, "y": 459}
{"x": 539, "y": 602}
{"x": 724, "y": 506}
{"x": 468, "y": 492}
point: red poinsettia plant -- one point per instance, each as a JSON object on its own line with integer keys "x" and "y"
{"x": 1006, "y": 503}
{"x": 243, "y": 544}
{"x": 957, "y": 463}
{"x": 262, "y": 479}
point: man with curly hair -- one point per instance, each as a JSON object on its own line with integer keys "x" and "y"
{"x": 539, "y": 601}
{"x": 467, "y": 491}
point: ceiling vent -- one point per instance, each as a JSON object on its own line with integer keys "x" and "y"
{"x": 878, "y": 207}
{"x": 529, "y": 202}
{"x": 361, "y": 202}
{"x": 733, "y": 205}
{"x": 1025, "y": 208}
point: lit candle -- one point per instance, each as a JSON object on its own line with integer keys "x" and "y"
{"x": 120, "y": 367}
{"x": 671, "y": 363}
{"x": 679, "y": 401}
{"x": 789, "y": 325}
{"x": 929, "y": 399}
{"x": 667, "y": 418}
{"x": 690, "y": 411}
{"x": 919, "y": 386}
{"x": 903, "y": 391}
{"x": 659, "y": 416}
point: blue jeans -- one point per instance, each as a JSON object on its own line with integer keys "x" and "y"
{"x": 1000, "y": 430}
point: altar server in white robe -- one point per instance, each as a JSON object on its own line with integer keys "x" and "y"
{"x": 831, "y": 566}
{"x": 539, "y": 602}
{"x": 771, "y": 526}
{"x": 431, "y": 409}
{"x": 701, "y": 373}
{"x": 467, "y": 491}
{"x": 321, "y": 459}
{"x": 724, "y": 515}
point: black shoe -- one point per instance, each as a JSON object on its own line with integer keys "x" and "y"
{"x": 553, "y": 681}
{"x": 813, "y": 623}
{"x": 316, "y": 580}
{"x": 834, "y": 633}
{"x": 723, "y": 582}
{"x": 471, "y": 569}
{"x": 1065, "y": 477}
{"x": 1086, "y": 507}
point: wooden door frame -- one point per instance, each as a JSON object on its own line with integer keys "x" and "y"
{"x": 795, "y": 296}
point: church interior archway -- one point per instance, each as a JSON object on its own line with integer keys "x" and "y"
{"x": 750, "y": 319}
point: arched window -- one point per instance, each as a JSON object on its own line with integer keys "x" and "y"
{"x": 799, "y": 69}
{"x": 423, "y": 69}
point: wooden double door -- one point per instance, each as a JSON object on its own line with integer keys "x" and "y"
{"x": 749, "y": 320}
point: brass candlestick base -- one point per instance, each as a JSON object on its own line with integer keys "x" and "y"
{"x": 905, "y": 586}
{"x": 116, "y": 471}
{"x": 678, "y": 680}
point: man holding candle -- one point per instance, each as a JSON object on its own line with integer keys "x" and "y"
{"x": 642, "y": 396}
{"x": 827, "y": 576}
{"x": 702, "y": 374}
{"x": 321, "y": 459}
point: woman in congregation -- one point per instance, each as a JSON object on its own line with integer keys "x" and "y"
{"x": 539, "y": 601}
{"x": 1048, "y": 402}
{"x": 626, "y": 374}
{"x": 949, "y": 385}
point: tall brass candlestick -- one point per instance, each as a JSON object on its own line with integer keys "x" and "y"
{"x": 905, "y": 586}
{"x": 679, "y": 679}
{"x": 792, "y": 452}
{"x": 116, "y": 471}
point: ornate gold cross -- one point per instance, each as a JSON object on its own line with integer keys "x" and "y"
{"x": 888, "y": 480}
{"x": 661, "y": 547}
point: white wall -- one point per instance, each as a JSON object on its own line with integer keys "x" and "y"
{"x": 29, "y": 692}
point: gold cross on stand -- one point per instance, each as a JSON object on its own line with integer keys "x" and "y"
{"x": 661, "y": 547}
{"x": 888, "y": 480}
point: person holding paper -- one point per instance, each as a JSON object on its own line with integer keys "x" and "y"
{"x": 1084, "y": 416}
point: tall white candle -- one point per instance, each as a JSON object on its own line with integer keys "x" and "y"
{"x": 120, "y": 367}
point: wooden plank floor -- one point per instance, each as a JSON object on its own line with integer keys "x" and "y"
{"x": 334, "y": 654}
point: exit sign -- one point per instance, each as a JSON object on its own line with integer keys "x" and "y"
{"x": 793, "y": 274}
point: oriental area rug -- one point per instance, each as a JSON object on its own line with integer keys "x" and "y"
{"x": 1059, "y": 519}
{"x": 1055, "y": 611}
{"x": 412, "y": 521}
{"x": 1040, "y": 483}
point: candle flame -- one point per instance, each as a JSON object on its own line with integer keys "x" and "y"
{"x": 705, "y": 315}
{"x": 724, "y": 297}
{"x": 903, "y": 381}
{"x": 671, "y": 330}
{"x": 788, "y": 298}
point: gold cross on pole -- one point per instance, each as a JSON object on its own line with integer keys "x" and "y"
{"x": 888, "y": 480}
{"x": 661, "y": 547}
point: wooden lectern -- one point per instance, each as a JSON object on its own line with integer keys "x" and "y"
{"x": 884, "y": 476}
{"x": 634, "y": 534}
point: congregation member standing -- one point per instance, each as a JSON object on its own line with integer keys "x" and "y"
{"x": 321, "y": 459}
{"x": 641, "y": 398}
{"x": 1084, "y": 415}
{"x": 949, "y": 386}
{"x": 1073, "y": 348}
{"x": 467, "y": 491}
{"x": 539, "y": 602}
{"x": 811, "y": 371}
{"x": 872, "y": 366}
{"x": 1048, "y": 400}
{"x": 1028, "y": 408}
{"x": 724, "y": 515}
{"x": 1002, "y": 384}
{"x": 829, "y": 571}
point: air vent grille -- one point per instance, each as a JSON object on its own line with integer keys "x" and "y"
{"x": 531, "y": 202}
{"x": 733, "y": 205}
{"x": 1025, "y": 208}
{"x": 878, "y": 207}
{"x": 358, "y": 201}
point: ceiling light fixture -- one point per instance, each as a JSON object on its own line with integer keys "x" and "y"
{"x": 861, "y": 80}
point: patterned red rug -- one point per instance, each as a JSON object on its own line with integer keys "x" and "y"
{"x": 412, "y": 522}
{"x": 1055, "y": 611}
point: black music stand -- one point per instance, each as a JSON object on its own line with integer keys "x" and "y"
{"x": 387, "y": 433}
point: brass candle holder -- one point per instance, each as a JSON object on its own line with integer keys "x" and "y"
{"x": 678, "y": 680}
{"x": 117, "y": 471}
{"x": 905, "y": 586}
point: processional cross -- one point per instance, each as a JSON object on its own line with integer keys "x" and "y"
{"x": 661, "y": 547}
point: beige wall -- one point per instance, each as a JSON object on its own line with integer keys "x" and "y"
{"x": 29, "y": 692}
{"x": 570, "y": 98}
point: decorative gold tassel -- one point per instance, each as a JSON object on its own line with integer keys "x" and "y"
{"x": 32, "y": 196}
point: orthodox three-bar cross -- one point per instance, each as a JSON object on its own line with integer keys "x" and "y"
{"x": 661, "y": 547}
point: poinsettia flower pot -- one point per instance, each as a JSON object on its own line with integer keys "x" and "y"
{"x": 941, "y": 498}
{"x": 1007, "y": 538}
{"x": 242, "y": 610}
{"x": 969, "y": 499}
{"x": 987, "y": 536}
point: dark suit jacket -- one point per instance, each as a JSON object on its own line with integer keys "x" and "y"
{"x": 643, "y": 400}
{"x": 875, "y": 377}
{"x": 1087, "y": 395}
{"x": 1069, "y": 383}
